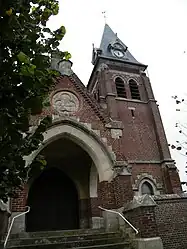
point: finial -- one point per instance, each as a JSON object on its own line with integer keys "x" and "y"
{"x": 104, "y": 15}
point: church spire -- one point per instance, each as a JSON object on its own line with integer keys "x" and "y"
{"x": 112, "y": 47}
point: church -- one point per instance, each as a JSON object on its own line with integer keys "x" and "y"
{"x": 106, "y": 148}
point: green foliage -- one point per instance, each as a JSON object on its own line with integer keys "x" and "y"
{"x": 26, "y": 44}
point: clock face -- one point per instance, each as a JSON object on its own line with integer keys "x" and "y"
{"x": 118, "y": 53}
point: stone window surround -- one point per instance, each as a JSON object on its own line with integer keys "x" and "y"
{"x": 142, "y": 178}
{"x": 126, "y": 77}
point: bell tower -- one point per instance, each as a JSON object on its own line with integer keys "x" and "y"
{"x": 113, "y": 62}
{"x": 123, "y": 90}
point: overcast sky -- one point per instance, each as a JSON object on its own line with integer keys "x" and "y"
{"x": 155, "y": 33}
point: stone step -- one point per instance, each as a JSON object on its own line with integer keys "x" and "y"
{"x": 67, "y": 238}
{"x": 56, "y": 233}
{"x": 120, "y": 245}
{"x": 67, "y": 244}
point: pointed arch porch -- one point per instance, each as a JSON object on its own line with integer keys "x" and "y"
{"x": 89, "y": 141}
{"x": 83, "y": 137}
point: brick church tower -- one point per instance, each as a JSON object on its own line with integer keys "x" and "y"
{"x": 123, "y": 90}
{"x": 106, "y": 145}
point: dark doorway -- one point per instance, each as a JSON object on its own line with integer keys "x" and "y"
{"x": 53, "y": 200}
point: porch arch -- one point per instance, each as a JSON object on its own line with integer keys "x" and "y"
{"x": 86, "y": 140}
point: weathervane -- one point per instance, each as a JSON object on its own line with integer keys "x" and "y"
{"x": 104, "y": 14}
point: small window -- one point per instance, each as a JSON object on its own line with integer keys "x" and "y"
{"x": 147, "y": 188}
{"x": 96, "y": 95}
{"x": 120, "y": 88}
{"x": 135, "y": 94}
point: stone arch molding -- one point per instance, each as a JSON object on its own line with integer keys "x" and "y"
{"x": 145, "y": 177}
{"x": 98, "y": 153}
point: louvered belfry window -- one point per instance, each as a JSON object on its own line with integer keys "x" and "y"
{"x": 120, "y": 88}
{"x": 135, "y": 94}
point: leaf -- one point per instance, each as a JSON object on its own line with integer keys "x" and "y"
{"x": 22, "y": 57}
{"x": 26, "y": 75}
{"x": 9, "y": 12}
{"x": 24, "y": 71}
{"x": 31, "y": 69}
{"x": 43, "y": 162}
{"x": 47, "y": 30}
{"x": 55, "y": 9}
{"x": 46, "y": 102}
{"x": 67, "y": 56}
{"x": 179, "y": 148}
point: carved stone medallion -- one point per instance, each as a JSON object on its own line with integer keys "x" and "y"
{"x": 65, "y": 102}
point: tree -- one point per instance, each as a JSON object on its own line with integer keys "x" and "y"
{"x": 181, "y": 144}
{"x": 26, "y": 45}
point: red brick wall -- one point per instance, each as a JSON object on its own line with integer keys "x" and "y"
{"x": 143, "y": 137}
{"x": 145, "y": 133}
{"x": 113, "y": 195}
{"x": 167, "y": 219}
{"x": 175, "y": 181}
{"x": 171, "y": 218}
{"x": 122, "y": 190}
{"x": 106, "y": 195}
{"x": 143, "y": 219}
{"x": 171, "y": 180}
{"x": 19, "y": 203}
{"x": 139, "y": 132}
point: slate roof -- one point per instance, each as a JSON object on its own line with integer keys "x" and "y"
{"x": 109, "y": 37}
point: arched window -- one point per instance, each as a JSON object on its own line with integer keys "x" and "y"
{"x": 147, "y": 188}
{"x": 120, "y": 88}
{"x": 135, "y": 94}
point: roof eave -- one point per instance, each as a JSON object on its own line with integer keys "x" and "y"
{"x": 123, "y": 61}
